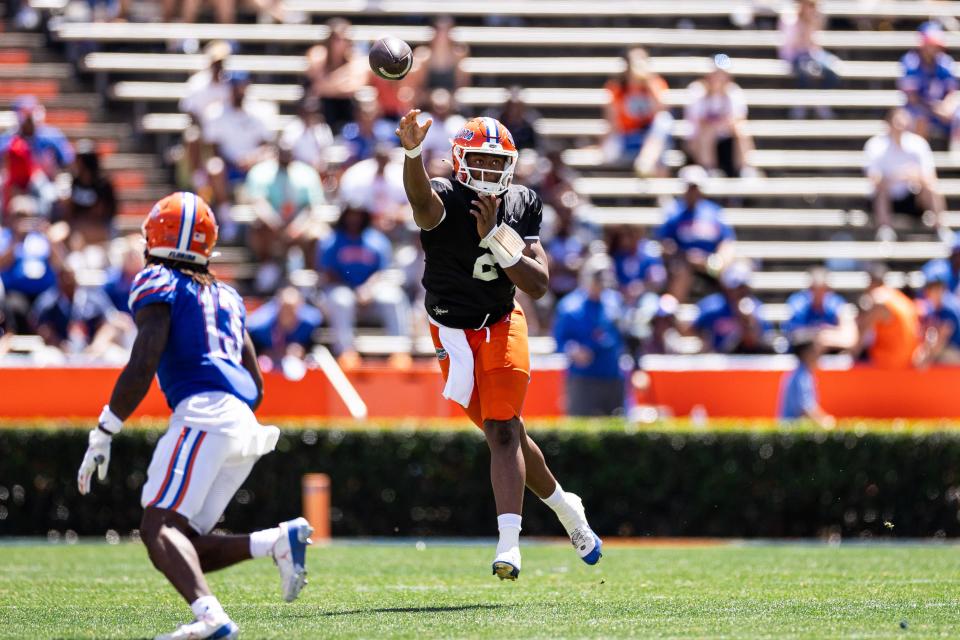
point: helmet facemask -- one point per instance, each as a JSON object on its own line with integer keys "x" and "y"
{"x": 464, "y": 173}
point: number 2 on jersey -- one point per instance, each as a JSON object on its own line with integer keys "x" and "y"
{"x": 222, "y": 317}
{"x": 485, "y": 268}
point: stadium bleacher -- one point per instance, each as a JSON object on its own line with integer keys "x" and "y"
{"x": 784, "y": 221}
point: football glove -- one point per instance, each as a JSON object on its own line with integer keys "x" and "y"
{"x": 97, "y": 456}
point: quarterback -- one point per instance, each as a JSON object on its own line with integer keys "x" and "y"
{"x": 480, "y": 236}
{"x": 190, "y": 333}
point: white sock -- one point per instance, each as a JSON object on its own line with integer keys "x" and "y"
{"x": 568, "y": 516}
{"x": 261, "y": 542}
{"x": 208, "y": 606}
{"x": 509, "y": 526}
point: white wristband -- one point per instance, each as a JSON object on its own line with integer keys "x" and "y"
{"x": 109, "y": 421}
{"x": 415, "y": 152}
{"x": 505, "y": 244}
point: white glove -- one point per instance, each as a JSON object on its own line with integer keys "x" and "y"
{"x": 98, "y": 450}
{"x": 97, "y": 457}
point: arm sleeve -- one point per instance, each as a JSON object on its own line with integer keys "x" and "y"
{"x": 153, "y": 285}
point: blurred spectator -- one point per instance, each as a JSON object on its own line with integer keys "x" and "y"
{"x": 519, "y": 119}
{"x": 565, "y": 240}
{"x": 283, "y": 327}
{"x": 695, "y": 239}
{"x": 941, "y": 343}
{"x": 376, "y": 185}
{"x": 360, "y": 137}
{"x": 28, "y": 259}
{"x": 927, "y": 78}
{"x": 239, "y": 137}
{"x": 902, "y": 172}
{"x": 78, "y": 319}
{"x": 353, "y": 259}
{"x": 224, "y": 11}
{"x": 442, "y": 58}
{"x": 586, "y": 331}
{"x": 717, "y": 111}
{"x": 888, "y": 324}
{"x": 24, "y": 177}
{"x": 949, "y": 265}
{"x": 335, "y": 73}
{"x": 639, "y": 123}
{"x": 309, "y": 136}
{"x": 655, "y": 325}
{"x": 731, "y": 321}
{"x": 209, "y": 86}
{"x": 446, "y": 123}
{"x": 127, "y": 261}
{"x": 822, "y": 313}
{"x": 286, "y": 196}
{"x": 813, "y": 67}
{"x": 51, "y": 150}
{"x": 798, "y": 391}
{"x": 638, "y": 262}
{"x": 91, "y": 204}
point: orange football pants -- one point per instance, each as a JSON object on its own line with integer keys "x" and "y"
{"x": 501, "y": 367}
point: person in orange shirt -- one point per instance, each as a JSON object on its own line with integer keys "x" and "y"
{"x": 889, "y": 325}
{"x": 639, "y": 122}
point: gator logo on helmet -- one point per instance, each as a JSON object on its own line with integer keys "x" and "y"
{"x": 465, "y": 134}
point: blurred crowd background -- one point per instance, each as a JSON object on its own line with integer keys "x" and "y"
{"x": 320, "y": 208}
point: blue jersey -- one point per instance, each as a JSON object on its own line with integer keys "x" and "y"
{"x": 701, "y": 227}
{"x": 804, "y": 315}
{"x": 205, "y": 344}
{"x": 930, "y": 82}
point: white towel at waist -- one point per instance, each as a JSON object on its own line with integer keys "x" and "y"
{"x": 459, "y": 385}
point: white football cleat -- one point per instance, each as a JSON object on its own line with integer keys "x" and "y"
{"x": 506, "y": 565}
{"x": 290, "y": 555}
{"x": 587, "y": 544}
{"x": 204, "y": 629}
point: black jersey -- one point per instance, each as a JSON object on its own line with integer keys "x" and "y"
{"x": 466, "y": 288}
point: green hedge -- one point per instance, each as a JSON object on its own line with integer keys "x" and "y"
{"x": 411, "y": 483}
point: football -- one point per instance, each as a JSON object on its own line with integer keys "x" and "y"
{"x": 391, "y": 58}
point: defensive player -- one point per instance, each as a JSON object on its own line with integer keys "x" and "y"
{"x": 480, "y": 234}
{"x": 191, "y": 334}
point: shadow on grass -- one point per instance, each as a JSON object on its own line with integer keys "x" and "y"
{"x": 450, "y": 609}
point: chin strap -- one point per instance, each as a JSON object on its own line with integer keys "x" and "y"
{"x": 505, "y": 244}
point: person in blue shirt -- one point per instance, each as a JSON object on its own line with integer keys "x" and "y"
{"x": 927, "y": 78}
{"x": 284, "y": 327}
{"x": 946, "y": 268}
{"x": 696, "y": 240}
{"x": 120, "y": 276}
{"x": 76, "y": 319}
{"x": 638, "y": 263}
{"x": 28, "y": 260}
{"x": 942, "y": 314}
{"x": 51, "y": 150}
{"x": 822, "y": 310}
{"x": 352, "y": 260}
{"x": 798, "y": 391}
{"x": 586, "y": 330}
{"x": 730, "y": 321}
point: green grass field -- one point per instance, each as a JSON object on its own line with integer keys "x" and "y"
{"x": 443, "y": 591}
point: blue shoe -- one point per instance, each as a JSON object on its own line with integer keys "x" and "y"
{"x": 290, "y": 556}
{"x": 506, "y": 566}
{"x": 587, "y": 544}
{"x": 204, "y": 629}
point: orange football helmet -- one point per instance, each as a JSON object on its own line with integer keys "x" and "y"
{"x": 181, "y": 227}
{"x": 484, "y": 135}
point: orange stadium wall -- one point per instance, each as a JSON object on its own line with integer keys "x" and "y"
{"x": 415, "y": 393}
